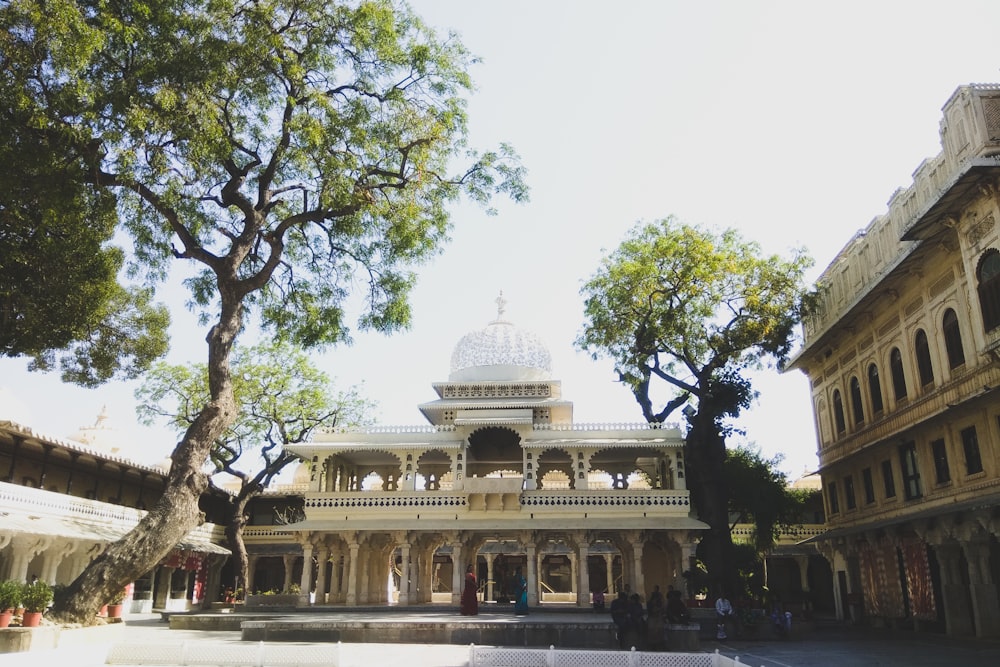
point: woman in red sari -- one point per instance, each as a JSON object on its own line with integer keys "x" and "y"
{"x": 470, "y": 604}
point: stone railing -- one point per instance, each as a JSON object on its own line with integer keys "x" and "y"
{"x": 429, "y": 502}
{"x": 743, "y": 533}
{"x": 387, "y": 429}
{"x": 606, "y": 499}
{"x": 377, "y": 500}
{"x": 610, "y": 426}
{"x": 37, "y": 502}
{"x": 57, "y": 504}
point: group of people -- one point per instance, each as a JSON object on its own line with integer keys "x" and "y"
{"x": 470, "y": 593}
{"x": 638, "y": 626}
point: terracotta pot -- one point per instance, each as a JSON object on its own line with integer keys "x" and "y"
{"x": 5, "y": 617}
{"x": 103, "y": 613}
{"x": 115, "y": 610}
{"x": 31, "y": 619}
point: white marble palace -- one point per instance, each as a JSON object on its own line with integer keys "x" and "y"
{"x": 500, "y": 477}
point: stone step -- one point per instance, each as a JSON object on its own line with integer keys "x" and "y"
{"x": 224, "y": 654}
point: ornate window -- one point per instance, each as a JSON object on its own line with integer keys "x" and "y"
{"x": 924, "y": 368}
{"x": 988, "y": 277}
{"x": 875, "y": 389}
{"x": 857, "y": 405}
{"x": 868, "y": 483}
{"x": 849, "y": 492}
{"x": 840, "y": 424}
{"x": 911, "y": 471}
{"x": 832, "y": 499}
{"x": 952, "y": 339}
{"x": 970, "y": 446}
{"x": 940, "y": 454}
{"x": 896, "y": 370}
{"x": 888, "y": 479}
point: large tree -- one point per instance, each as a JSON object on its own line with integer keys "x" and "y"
{"x": 298, "y": 157}
{"x": 61, "y": 302}
{"x": 283, "y": 399}
{"x": 685, "y": 313}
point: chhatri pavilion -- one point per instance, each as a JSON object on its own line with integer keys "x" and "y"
{"x": 500, "y": 477}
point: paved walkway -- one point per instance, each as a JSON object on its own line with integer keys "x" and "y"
{"x": 824, "y": 647}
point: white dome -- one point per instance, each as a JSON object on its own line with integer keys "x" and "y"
{"x": 501, "y": 352}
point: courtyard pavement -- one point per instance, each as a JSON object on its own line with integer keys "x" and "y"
{"x": 825, "y": 646}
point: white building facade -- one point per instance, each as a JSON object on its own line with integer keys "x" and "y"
{"x": 501, "y": 477}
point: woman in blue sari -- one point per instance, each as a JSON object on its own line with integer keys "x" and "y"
{"x": 521, "y": 602}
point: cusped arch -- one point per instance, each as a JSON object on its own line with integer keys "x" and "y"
{"x": 434, "y": 465}
{"x": 555, "y": 466}
{"x": 492, "y": 449}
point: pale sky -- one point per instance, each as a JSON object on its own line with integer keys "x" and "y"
{"x": 793, "y": 122}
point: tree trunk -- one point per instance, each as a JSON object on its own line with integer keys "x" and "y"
{"x": 234, "y": 536}
{"x": 176, "y": 512}
{"x": 706, "y": 454}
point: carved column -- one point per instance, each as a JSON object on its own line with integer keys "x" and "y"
{"x": 289, "y": 562}
{"x": 457, "y": 573}
{"x": 954, "y": 594}
{"x": 583, "y": 587}
{"x": 638, "y": 580}
{"x": 532, "y": 574}
{"x": 982, "y": 589}
{"x": 404, "y": 574}
{"x": 609, "y": 562}
{"x": 352, "y": 575}
{"x": 488, "y": 596}
{"x": 364, "y": 572}
{"x": 322, "y": 559}
{"x": 803, "y": 564}
{"x": 162, "y": 596}
{"x": 574, "y": 580}
{"x": 305, "y": 584}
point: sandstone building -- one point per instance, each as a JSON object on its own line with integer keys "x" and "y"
{"x": 903, "y": 357}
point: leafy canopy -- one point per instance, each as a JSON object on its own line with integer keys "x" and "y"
{"x": 291, "y": 149}
{"x": 283, "y": 400}
{"x": 694, "y": 309}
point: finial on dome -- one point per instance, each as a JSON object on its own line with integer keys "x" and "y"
{"x": 501, "y": 306}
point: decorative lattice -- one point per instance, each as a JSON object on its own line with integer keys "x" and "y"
{"x": 492, "y": 656}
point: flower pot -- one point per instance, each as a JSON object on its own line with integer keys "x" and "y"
{"x": 31, "y": 619}
{"x": 5, "y": 617}
{"x": 114, "y": 611}
{"x": 103, "y": 612}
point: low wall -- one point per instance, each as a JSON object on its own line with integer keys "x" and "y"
{"x": 524, "y": 633}
{"x": 26, "y": 643}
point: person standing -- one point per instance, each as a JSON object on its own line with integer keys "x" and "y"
{"x": 521, "y": 601}
{"x": 619, "y": 616}
{"x": 470, "y": 601}
{"x": 723, "y": 615}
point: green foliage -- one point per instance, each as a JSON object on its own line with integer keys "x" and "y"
{"x": 291, "y": 150}
{"x": 283, "y": 399}
{"x": 60, "y": 299}
{"x": 695, "y": 310}
{"x": 36, "y": 596}
{"x": 10, "y": 594}
{"x": 759, "y": 494}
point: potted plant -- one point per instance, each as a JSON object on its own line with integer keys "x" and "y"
{"x": 10, "y": 599}
{"x": 115, "y": 604}
{"x": 36, "y": 598}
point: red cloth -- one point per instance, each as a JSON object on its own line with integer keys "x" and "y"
{"x": 470, "y": 604}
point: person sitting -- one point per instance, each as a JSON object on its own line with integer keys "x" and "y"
{"x": 599, "y": 601}
{"x": 677, "y": 611}
{"x": 724, "y": 615}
